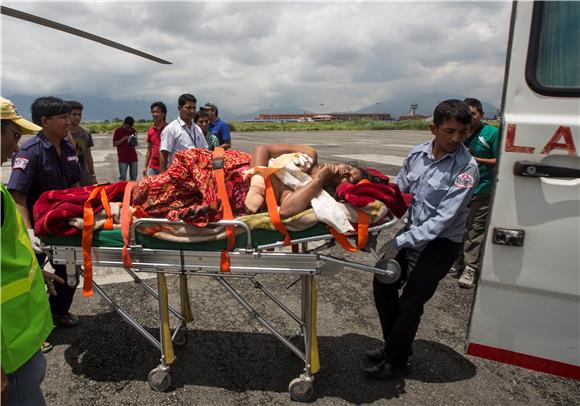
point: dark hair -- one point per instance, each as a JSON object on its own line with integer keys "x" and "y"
{"x": 75, "y": 105}
{"x": 184, "y": 98}
{"x": 47, "y": 107}
{"x": 376, "y": 177}
{"x": 370, "y": 174}
{"x": 200, "y": 114}
{"x": 474, "y": 103}
{"x": 129, "y": 121}
{"x": 161, "y": 106}
{"x": 451, "y": 109}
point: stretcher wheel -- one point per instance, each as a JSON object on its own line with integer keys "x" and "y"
{"x": 300, "y": 390}
{"x": 180, "y": 337}
{"x": 159, "y": 379}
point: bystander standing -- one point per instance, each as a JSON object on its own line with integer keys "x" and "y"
{"x": 182, "y": 133}
{"x": 125, "y": 139}
{"x": 217, "y": 126}
{"x": 159, "y": 115}
{"x": 83, "y": 142}
{"x": 482, "y": 142}
{"x": 201, "y": 118}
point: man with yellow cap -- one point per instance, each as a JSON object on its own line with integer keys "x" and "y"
{"x": 26, "y": 320}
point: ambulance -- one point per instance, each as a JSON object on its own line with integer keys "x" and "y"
{"x": 527, "y": 305}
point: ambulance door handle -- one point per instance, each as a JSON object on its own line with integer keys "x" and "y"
{"x": 541, "y": 170}
{"x": 507, "y": 236}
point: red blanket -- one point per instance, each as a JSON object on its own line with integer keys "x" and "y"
{"x": 188, "y": 190}
{"x": 54, "y": 207}
{"x": 365, "y": 193}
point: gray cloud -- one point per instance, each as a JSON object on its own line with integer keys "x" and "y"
{"x": 245, "y": 56}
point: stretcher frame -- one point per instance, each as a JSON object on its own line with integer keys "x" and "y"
{"x": 248, "y": 263}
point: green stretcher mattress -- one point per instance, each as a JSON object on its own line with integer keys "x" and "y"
{"x": 113, "y": 238}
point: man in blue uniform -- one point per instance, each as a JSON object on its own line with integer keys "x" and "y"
{"x": 217, "y": 126}
{"x": 441, "y": 175}
{"x": 44, "y": 162}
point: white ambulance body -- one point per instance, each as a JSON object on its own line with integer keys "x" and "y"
{"x": 527, "y": 304}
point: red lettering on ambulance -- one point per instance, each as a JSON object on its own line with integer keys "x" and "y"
{"x": 561, "y": 132}
{"x": 510, "y": 142}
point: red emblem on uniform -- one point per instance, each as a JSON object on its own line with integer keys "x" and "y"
{"x": 464, "y": 181}
{"x": 20, "y": 163}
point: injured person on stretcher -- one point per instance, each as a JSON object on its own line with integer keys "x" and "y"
{"x": 188, "y": 190}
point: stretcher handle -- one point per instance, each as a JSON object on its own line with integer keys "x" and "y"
{"x": 146, "y": 221}
{"x": 362, "y": 267}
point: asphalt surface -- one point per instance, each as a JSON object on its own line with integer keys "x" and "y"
{"x": 229, "y": 359}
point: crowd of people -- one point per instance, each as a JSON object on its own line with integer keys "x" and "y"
{"x": 190, "y": 129}
{"x": 449, "y": 178}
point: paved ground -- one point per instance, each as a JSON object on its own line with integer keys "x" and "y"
{"x": 229, "y": 359}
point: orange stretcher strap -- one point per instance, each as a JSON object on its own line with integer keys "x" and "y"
{"x": 126, "y": 221}
{"x": 87, "y": 234}
{"x": 275, "y": 213}
{"x": 218, "y": 171}
{"x": 363, "y": 231}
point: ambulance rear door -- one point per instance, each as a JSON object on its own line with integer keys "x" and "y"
{"x": 527, "y": 304}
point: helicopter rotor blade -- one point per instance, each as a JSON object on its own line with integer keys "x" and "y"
{"x": 74, "y": 31}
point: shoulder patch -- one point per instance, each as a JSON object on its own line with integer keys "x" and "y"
{"x": 20, "y": 163}
{"x": 464, "y": 181}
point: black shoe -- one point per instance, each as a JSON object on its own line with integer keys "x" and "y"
{"x": 386, "y": 370}
{"x": 377, "y": 354}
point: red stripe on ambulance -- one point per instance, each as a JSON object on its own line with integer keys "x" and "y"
{"x": 525, "y": 361}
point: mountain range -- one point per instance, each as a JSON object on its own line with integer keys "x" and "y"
{"x": 103, "y": 108}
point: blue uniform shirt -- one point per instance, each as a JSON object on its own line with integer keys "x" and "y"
{"x": 441, "y": 191}
{"x": 221, "y": 130}
{"x": 36, "y": 168}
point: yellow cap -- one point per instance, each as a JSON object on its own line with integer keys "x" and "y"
{"x": 9, "y": 113}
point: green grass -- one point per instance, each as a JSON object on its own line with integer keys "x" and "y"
{"x": 416, "y": 125}
{"x": 104, "y": 127}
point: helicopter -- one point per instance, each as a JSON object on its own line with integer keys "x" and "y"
{"x": 11, "y": 12}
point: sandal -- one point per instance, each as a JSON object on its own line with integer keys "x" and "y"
{"x": 46, "y": 347}
{"x": 66, "y": 320}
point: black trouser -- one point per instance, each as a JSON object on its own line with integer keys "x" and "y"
{"x": 400, "y": 316}
{"x": 61, "y": 303}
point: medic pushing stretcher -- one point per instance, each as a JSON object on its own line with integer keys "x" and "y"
{"x": 202, "y": 218}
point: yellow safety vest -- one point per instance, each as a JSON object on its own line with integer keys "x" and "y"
{"x": 26, "y": 319}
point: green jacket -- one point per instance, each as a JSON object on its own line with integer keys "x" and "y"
{"x": 26, "y": 320}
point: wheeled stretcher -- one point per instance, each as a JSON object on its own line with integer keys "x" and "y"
{"x": 251, "y": 256}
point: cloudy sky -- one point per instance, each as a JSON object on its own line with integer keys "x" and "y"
{"x": 249, "y": 55}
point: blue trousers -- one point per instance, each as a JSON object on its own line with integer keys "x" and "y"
{"x": 133, "y": 168}
{"x": 25, "y": 382}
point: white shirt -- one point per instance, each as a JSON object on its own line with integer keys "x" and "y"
{"x": 177, "y": 136}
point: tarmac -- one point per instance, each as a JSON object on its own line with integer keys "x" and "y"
{"x": 229, "y": 359}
